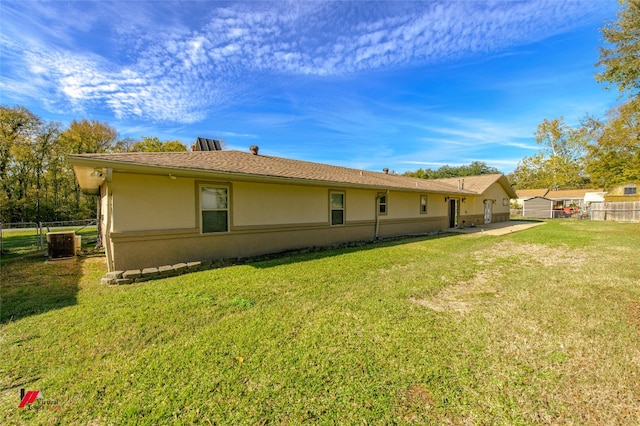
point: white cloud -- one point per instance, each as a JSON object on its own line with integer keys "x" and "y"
{"x": 177, "y": 62}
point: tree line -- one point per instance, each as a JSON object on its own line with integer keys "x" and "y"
{"x": 36, "y": 182}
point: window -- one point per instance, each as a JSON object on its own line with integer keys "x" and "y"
{"x": 630, "y": 190}
{"x": 214, "y": 205}
{"x": 423, "y": 204}
{"x": 337, "y": 208}
{"x": 382, "y": 205}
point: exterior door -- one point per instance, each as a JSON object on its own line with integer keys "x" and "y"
{"x": 453, "y": 213}
{"x": 488, "y": 206}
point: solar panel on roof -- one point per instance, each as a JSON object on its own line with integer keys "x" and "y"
{"x": 204, "y": 144}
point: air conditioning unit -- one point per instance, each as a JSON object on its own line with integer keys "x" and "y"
{"x": 63, "y": 244}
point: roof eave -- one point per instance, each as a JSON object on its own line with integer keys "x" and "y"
{"x": 91, "y": 173}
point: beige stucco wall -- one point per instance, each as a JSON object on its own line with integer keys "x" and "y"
{"x": 268, "y": 204}
{"x": 360, "y": 204}
{"x": 402, "y": 205}
{"x": 146, "y": 202}
{"x": 496, "y": 192}
{"x": 436, "y": 206}
{"x": 156, "y": 220}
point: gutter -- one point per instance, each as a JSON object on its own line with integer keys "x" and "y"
{"x": 107, "y": 231}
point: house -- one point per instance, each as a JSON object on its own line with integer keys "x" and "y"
{"x": 621, "y": 203}
{"x": 171, "y": 207}
{"x": 570, "y": 198}
{"x": 538, "y": 208}
{"x": 624, "y": 193}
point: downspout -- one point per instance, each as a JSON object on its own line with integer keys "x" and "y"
{"x": 107, "y": 231}
{"x": 99, "y": 219}
{"x": 379, "y": 195}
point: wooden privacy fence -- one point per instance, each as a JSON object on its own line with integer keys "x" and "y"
{"x": 620, "y": 211}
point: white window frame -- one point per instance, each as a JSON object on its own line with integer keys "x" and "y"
{"x": 383, "y": 204}
{"x": 425, "y": 204}
{"x": 226, "y": 209}
{"x": 343, "y": 208}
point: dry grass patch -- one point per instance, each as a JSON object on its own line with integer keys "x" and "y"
{"x": 414, "y": 403}
{"x": 492, "y": 264}
{"x": 560, "y": 327}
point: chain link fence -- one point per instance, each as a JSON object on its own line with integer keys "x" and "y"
{"x": 20, "y": 238}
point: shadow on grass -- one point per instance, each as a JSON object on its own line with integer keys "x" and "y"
{"x": 32, "y": 285}
{"x": 307, "y": 254}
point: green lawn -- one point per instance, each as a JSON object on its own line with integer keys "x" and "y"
{"x": 536, "y": 327}
{"x": 19, "y": 242}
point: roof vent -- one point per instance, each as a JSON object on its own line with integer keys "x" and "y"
{"x": 254, "y": 149}
{"x": 460, "y": 183}
{"x": 385, "y": 171}
{"x": 204, "y": 144}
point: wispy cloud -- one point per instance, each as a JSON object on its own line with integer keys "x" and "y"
{"x": 177, "y": 62}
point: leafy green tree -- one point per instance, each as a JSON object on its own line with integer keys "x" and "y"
{"x": 84, "y": 136}
{"x": 124, "y": 145}
{"x": 18, "y": 134}
{"x": 621, "y": 57}
{"x": 613, "y": 157}
{"x": 559, "y": 164}
{"x": 89, "y": 136}
{"x": 153, "y": 144}
{"x": 474, "y": 169}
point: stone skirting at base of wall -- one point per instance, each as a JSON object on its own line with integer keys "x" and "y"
{"x": 166, "y": 271}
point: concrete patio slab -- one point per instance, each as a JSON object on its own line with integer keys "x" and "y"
{"x": 500, "y": 228}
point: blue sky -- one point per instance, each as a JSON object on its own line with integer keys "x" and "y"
{"x": 361, "y": 84}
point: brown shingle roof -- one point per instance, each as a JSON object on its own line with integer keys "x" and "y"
{"x": 245, "y": 164}
{"x": 477, "y": 184}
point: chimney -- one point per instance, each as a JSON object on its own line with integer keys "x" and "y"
{"x": 254, "y": 149}
{"x": 385, "y": 171}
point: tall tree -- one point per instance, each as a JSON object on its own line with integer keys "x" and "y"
{"x": 18, "y": 131}
{"x": 84, "y": 136}
{"x": 621, "y": 59}
{"x": 559, "y": 163}
{"x": 153, "y": 144}
{"x": 613, "y": 157}
{"x": 89, "y": 136}
{"x": 474, "y": 169}
{"x": 124, "y": 145}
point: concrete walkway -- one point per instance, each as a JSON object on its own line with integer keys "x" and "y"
{"x": 500, "y": 228}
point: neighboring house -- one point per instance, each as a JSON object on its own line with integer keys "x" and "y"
{"x": 537, "y": 208}
{"x": 622, "y": 203}
{"x": 624, "y": 193}
{"x": 570, "y": 197}
{"x": 166, "y": 208}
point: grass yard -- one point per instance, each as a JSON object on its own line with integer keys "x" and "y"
{"x": 19, "y": 242}
{"x": 536, "y": 327}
